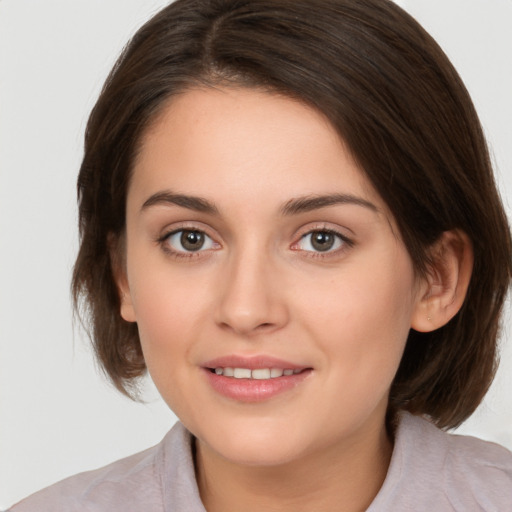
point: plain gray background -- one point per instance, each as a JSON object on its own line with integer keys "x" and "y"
{"x": 58, "y": 416}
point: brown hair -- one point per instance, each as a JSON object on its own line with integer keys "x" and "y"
{"x": 397, "y": 102}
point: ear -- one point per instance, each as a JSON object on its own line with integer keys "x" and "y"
{"x": 443, "y": 290}
{"x": 117, "y": 252}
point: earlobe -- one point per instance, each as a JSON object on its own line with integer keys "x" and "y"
{"x": 116, "y": 251}
{"x": 443, "y": 290}
{"x": 127, "y": 311}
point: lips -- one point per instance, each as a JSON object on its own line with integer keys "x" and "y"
{"x": 257, "y": 373}
{"x": 255, "y": 378}
{"x": 251, "y": 362}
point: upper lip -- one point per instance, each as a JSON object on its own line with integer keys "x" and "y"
{"x": 252, "y": 362}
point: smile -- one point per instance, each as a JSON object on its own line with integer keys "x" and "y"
{"x": 254, "y": 381}
{"x": 258, "y": 374}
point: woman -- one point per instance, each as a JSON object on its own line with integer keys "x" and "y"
{"x": 289, "y": 218}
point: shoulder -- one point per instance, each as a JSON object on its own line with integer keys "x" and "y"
{"x": 478, "y": 471}
{"x": 431, "y": 468}
{"x": 470, "y": 458}
{"x": 126, "y": 485}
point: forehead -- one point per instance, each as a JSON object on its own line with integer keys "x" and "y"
{"x": 237, "y": 142}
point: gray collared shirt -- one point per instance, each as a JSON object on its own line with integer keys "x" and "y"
{"x": 430, "y": 470}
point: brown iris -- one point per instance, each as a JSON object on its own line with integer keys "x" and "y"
{"x": 192, "y": 240}
{"x": 322, "y": 240}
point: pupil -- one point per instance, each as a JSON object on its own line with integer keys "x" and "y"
{"x": 192, "y": 240}
{"x": 322, "y": 241}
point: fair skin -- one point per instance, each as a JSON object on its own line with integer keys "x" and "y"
{"x": 231, "y": 259}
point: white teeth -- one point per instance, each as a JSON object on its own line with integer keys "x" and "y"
{"x": 258, "y": 374}
{"x": 228, "y": 372}
{"x": 242, "y": 373}
{"x": 263, "y": 373}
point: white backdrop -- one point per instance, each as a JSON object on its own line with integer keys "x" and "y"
{"x": 57, "y": 414}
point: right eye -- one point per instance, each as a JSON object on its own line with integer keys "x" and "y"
{"x": 321, "y": 241}
{"x": 188, "y": 240}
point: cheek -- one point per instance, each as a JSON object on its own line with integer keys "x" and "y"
{"x": 163, "y": 298}
{"x": 168, "y": 310}
{"x": 364, "y": 317}
{"x": 164, "y": 313}
{"x": 165, "y": 319}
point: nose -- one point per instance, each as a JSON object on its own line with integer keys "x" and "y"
{"x": 251, "y": 296}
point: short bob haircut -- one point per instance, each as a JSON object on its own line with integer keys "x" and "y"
{"x": 396, "y": 101}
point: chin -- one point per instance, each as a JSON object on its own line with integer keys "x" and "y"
{"x": 256, "y": 454}
{"x": 259, "y": 444}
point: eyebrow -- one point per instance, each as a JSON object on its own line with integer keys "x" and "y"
{"x": 166, "y": 197}
{"x": 309, "y": 203}
{"x": 292, "y": 207}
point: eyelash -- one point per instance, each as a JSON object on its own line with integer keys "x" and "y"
{"x": 163, "y": 241}
{"x": 346, "y": 243}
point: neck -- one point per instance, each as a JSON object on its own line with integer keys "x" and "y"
{"x": 345, "y": 478}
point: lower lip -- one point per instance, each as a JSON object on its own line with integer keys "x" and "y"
{"x": 253, "y": 390}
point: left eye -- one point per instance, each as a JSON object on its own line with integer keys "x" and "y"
{"x": 187, "y": 240}
{"x": 320, "y": 241}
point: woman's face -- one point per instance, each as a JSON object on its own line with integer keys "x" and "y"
{"x": 255, "y": 247}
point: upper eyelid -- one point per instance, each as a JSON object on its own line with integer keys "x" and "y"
{"x": 194, "y": 225}
{"x": 343, "y": 238}
{"x": 166, "y": 234}
{"x": 324, "y": 226}
{"x": 186, "y": 226}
